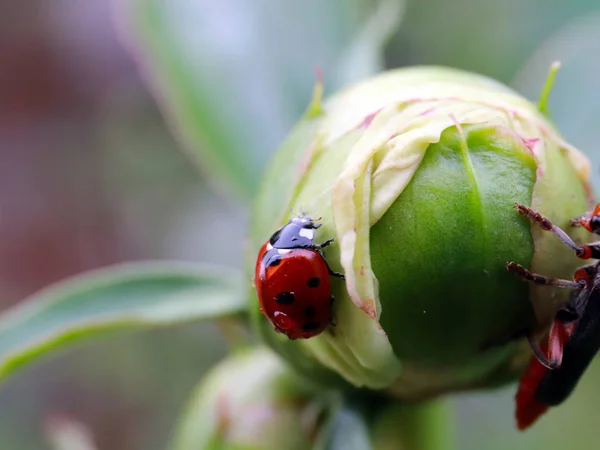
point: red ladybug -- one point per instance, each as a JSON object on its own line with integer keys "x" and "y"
{"x": 292, "y": 280}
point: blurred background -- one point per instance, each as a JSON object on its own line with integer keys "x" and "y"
{"x": 91, "y": 173}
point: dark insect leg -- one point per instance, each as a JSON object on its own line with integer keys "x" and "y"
{"x": 586, "y": 273}
{"x": 334, "y": 274}
{"x": 332, "y": 321}
{"x": 539, "y": 354}
{"x": 590, "y": 251}
{"x": 331, "y": 272}
{"x": 583, "y": 252}
{"x": 325, "y": 244}
{"x": 559, "y": 334}
{"x": 331, "y": 330}
{"x": 535, "y": 278}
{"x": 576, "y": 222}
{"x": 590, "y": 220}
{"x": 339, "y": 275}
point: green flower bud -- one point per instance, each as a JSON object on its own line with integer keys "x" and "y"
{"x": 415, "y": 173}
{"x": 251, "y": 401}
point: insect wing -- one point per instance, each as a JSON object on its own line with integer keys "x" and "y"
{"x": 528, "y": 408}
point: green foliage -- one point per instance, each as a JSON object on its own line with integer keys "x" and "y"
{"x": 130, "y": 296}
{"x": 232, "y": 79}
{"x": 226, "y": 85}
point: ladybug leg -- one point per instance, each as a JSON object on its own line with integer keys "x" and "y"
{"x": 535, "y": 278}
{"x": 332, "y": 321}
{"x": 583, "y": 251}
{"x": 331, "y": 272}
{"x": 336, "y": 274}
{"x": 325, "y": 244}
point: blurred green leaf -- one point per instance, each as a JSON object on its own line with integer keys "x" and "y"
{"x": 233, "y": 76}
{"x": 575, "y": 98}
{"x": 364, "y": 55}
{"x": 126, "y": 296}
{"x": 487, "y": 36}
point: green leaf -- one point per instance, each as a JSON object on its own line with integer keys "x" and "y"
{"x": 363, "y": 56}
{"x": 233, "y": 77}
{"x": 127, "y": 296}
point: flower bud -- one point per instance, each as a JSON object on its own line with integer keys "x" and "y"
{"x": 251, "y": 400}
{"x": 415, "y": 173}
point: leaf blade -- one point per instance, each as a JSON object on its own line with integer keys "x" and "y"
{"x": 131, "y": 295}
{"x": 231, "y": 79}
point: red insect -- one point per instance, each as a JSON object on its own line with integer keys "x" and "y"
{"x": 561, "y": 358}
{"x": 292, "y": 280}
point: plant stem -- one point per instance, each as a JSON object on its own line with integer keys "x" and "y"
{"x": 415, "y": 426}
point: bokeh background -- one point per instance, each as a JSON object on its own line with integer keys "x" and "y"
{"x": 91, "y": 173}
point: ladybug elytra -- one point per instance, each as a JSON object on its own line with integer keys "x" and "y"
{"x": 292, "y": 280}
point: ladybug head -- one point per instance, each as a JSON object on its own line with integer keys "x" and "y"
{"x": 297, "y": 233}
{"x": 305, "y": 221}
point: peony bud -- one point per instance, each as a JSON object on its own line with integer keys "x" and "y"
{"x": 251, "y": 401}
{"x": 415, "y": 173}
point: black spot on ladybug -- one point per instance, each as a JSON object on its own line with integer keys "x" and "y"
{"x": 313, "y": 282}
{"x": 274, "y": 261}
{"x": 285, "y": 298}
{"x": 311, "y": 326}
{"x": 310, "y": 311}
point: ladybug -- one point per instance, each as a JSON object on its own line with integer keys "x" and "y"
{"x": 560, "y": 359}
{"x": 292, "y": 280}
